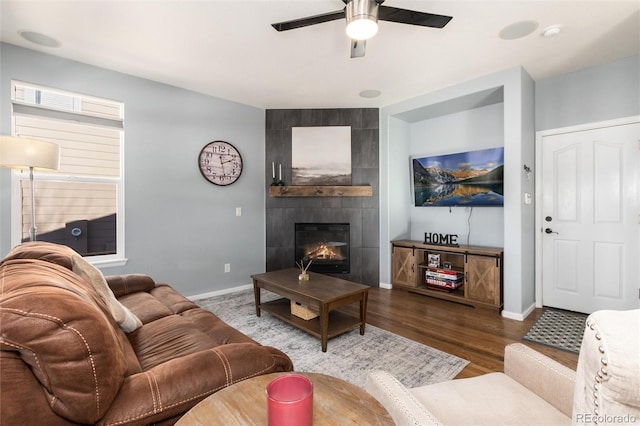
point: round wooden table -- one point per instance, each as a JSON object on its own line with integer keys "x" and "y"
{"x": 335, "y": 402}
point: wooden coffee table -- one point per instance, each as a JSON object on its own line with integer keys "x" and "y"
{"x": 322, "y": 293}
{"x": 335, "y": 402}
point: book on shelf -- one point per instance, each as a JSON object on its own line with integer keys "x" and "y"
{"x": 444, "y": 282}
{"x": 444, "y": 274}
{"x": 440, "y": 284}
{"x": 444, "y": 271}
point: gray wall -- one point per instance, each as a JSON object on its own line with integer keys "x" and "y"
{"x": 590, "y": 95}
{"x": 180, "y": 228}
{"x": 361, "y": 212}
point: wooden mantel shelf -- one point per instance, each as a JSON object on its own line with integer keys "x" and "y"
{"x": 321, "y": 191}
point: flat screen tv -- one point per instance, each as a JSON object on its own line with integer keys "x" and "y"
{"x": 472, "y": 178}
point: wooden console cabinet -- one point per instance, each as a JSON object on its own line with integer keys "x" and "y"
{"x": 479, "y": 269}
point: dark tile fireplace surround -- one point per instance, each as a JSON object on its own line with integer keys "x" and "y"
{"x": 361, "y": 213}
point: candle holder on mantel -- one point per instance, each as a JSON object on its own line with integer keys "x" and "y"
{"x": 279, "y": 181}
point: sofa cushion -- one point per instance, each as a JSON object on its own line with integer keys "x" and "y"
{"x": 218, "y": 331}
{"x": 175, "y": 301}
{"x": 167, "y": 338}
{"x": 42, "y": 250}
{"x": 146, "y": 307}
{"x": 491, "y": 399}
{"x": 123, "y": 316}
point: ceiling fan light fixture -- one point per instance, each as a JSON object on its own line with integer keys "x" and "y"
{"x": 362, "y": 19}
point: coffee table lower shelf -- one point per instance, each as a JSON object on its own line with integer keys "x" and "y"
{"x": 339, "y": 322}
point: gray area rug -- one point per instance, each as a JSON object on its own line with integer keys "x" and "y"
{"x": 349, "y": 356}
{"x": 559, "y": 329}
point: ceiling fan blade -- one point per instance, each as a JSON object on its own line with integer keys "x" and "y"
{"x": 412, "y": 17}
{"x": 357, "y": 48}
{"x": 310, "y": 20}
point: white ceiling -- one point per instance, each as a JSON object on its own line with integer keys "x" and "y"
{"x": 228, "y": 49}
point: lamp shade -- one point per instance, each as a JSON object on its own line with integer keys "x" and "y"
{"x": 22, "y": 153}
{"x": 362, "y": 19}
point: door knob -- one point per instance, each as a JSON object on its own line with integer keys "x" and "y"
{"x": 550, "y": 231}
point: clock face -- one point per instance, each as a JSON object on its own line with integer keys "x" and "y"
{"x": 220, "y": 163}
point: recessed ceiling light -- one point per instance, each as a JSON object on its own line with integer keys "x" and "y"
{"x": 370, "y": 93}
{"x": 518, "y": 30}
{"x": 551, "y": 31}
{"x": 39, "y": 39}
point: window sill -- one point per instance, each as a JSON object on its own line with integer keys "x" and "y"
{"x": 108, "y": 263}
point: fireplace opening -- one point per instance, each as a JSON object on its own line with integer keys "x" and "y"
{"x": 325, "y": 244}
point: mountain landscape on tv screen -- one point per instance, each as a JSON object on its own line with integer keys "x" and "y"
{"x": 466, "y": 179}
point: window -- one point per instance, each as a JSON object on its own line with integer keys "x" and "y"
{"x": 80, "y": 205}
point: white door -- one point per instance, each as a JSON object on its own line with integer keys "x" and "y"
{"x": 590, "y": 219}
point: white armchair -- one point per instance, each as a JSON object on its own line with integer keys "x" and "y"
{"x": 534, "y": 389}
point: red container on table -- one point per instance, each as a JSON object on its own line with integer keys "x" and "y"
{"x": 290, "y": 401}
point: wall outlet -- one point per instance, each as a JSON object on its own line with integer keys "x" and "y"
{"x": 227, "y": 267}
{"x": 238, "y": 211}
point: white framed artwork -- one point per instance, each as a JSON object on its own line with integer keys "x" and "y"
{"x": 321, "y": 155}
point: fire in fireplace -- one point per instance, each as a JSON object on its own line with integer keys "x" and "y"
{"x": 325, "y": 244}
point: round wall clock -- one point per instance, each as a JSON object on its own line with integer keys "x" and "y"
{"x": 220, "y": 163}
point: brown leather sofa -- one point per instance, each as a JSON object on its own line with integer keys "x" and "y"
{"x": 65, "y": 359}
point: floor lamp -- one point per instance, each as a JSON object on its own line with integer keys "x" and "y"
{"x": 32, "y": 154}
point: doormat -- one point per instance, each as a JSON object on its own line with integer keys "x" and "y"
{"x": 559, "y": 329}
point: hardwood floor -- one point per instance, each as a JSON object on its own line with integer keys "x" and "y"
{"x": 476, "y": 334}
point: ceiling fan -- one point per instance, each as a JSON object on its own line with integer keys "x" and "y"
{"x": 362, "y": 20}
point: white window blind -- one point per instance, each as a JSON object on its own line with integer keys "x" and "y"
{"x": 80, "y": 205}
{"x": 64, "y": 101}
{"x": 84, "y": 150}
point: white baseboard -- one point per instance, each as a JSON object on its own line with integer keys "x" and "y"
{"x": 220, "y": 292}
{"x": 519, "y": 316}
{"x": 385, "y": 285}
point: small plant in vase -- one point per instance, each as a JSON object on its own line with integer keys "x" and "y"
{"x": 303, "y": 270}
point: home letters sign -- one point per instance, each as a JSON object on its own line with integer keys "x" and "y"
{"x": 441, "y": 239}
